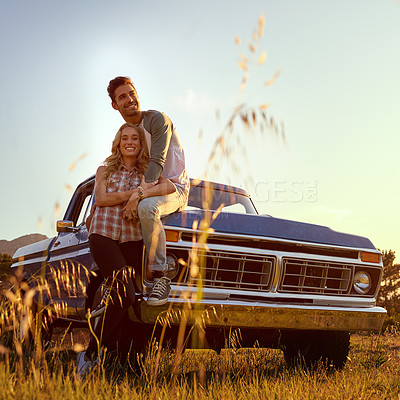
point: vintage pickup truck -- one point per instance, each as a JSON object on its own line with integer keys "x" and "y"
{"x": 274, "y": 282}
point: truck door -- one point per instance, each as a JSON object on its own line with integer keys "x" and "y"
{"x": 70, "y": 261}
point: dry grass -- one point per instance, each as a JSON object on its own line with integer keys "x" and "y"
{"x": 29, "y": 372}
{"x": 372, "y": 372}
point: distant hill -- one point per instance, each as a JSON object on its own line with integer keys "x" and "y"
{"x": 10, "y": 246}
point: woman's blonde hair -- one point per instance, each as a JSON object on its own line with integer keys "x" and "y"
{"x": 114, "y": 162}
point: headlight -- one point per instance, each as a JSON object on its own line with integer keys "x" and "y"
{"x": 173, "y": 267}
{"x": 362, "y": 282}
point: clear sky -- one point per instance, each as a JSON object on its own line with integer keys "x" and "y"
{"x": 338, "y": 96}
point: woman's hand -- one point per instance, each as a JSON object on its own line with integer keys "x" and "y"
{"x": 130, "y": 209}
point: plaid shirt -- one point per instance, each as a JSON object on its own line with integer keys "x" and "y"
{"x": 107, "y": 221}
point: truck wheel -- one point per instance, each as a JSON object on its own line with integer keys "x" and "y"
{"x": 216, "y": 340}
{"x": 310, "y": 349}
{"x": 27, "y": 328}
{"x": 27, "y": 318}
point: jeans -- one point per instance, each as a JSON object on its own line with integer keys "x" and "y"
{"x": 150, "y": 210}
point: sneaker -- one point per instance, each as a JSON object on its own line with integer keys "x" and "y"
{"x": 102, "y": 305}
{"x": 84, "y": 366}
{"x": 160, "y": 292}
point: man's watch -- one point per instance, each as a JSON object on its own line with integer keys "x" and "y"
{"x": 141, "y": 192}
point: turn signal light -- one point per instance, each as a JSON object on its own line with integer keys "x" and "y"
{"x": 171, "y": 236}
{"x": 370, "y": 257}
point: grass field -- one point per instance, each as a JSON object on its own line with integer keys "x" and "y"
{"x": 372, "y": 372}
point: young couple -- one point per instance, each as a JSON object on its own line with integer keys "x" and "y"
{"x": 142, "y": 180}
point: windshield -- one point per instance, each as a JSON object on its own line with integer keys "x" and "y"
{"x": 234, "y": 200}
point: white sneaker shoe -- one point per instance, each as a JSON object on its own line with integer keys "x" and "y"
{"x": 85, "y": 366}
{"x": 102, "y": 305}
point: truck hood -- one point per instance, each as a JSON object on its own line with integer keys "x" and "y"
{"x": 34, "y": 248}
{"x": 270, "y": 227}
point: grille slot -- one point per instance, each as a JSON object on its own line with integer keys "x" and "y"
{"x": 237, "y": 270}
{"x": 309, "y": 276}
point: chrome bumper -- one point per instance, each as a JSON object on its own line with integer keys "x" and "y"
{"x": 240, "y": 314}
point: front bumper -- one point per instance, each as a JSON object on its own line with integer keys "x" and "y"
{"x": 257, "y": 315}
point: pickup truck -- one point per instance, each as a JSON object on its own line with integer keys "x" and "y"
{"x": 267, "y": 281}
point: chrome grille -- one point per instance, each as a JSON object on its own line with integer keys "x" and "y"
{"x": 310, "y": 276}
{"x": 237, "y": 270}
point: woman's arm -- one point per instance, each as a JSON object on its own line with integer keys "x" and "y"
{"x": 103, "y": 198}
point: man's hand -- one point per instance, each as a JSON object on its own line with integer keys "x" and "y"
{"x": 149, "y": 185}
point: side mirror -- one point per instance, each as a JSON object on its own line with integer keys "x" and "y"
{"x": 66, "y": 226}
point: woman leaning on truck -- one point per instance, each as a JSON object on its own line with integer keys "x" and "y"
{"x": 115, "y": 236}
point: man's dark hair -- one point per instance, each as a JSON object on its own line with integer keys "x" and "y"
{"x": 117, "y": 82}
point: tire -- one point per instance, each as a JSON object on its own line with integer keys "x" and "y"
{"x": 312, "y": 348}
{"x": 28, "y": 318}
{"x": 215, "y": 339}
{"x": 46, "y": 329}
{"x": 131, "y": 337}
